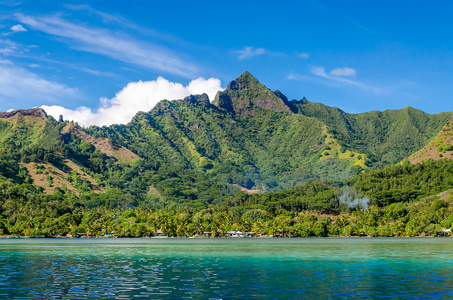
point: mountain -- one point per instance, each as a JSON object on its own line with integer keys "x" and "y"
{"x": 439, "y": 147}
{"x": 387, "y": 137}
{"x": 251, "y": 160}
{"x": 191, "y": 152}
{"x": 245, "y": 93}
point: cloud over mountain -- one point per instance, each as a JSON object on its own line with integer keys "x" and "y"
{"x": 136, "y": 96}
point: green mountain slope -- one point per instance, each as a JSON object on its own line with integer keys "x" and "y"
{"x": 386, "y": 137}
{"x": 404, "y": 200}
{"x": 180, "y": 167}
{"x": 440, "y": 147}
{"x": 251, "y": 139}
{"x": 194, "y": 153}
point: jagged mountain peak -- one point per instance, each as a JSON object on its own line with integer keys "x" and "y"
{"x": 246, "y": 92}
{"x": 245, "y": 81}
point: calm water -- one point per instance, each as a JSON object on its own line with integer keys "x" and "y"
{"x": 330, "y": 268}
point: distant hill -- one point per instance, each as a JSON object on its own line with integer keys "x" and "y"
{"x": 386, "y": 137}
{"x": 440, "y": 147}
{"x": 192, "y": 152}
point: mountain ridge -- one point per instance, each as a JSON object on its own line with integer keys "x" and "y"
{"x": 189, "y": 167}
{"x": 195, "y": 151}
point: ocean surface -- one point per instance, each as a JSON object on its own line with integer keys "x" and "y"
{"x": 311, "y": 268}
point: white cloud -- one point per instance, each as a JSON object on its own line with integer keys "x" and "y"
{"x": 120, "y": 21}
{"x": 94, "y": 72}
{"x": 6, "y": 51}
{"x": 248, "y": 52}
{"x": 111, "y": 44}
{"x": 321, "y": 72}
{"x": 303, "y": 55}
{"x": 343, "y": 72}
{"x": 106, "y": 18}
{"x": 297, "y": 77}
{"x": 33, "y": 66}
{"x": 136, "y": 96}
{"x": 17, "y": 84}
{"x": 7, "y": 47}
{"x": 18, "y": 28}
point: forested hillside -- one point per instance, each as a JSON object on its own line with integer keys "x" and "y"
{"x": 190, "y": 155}
{"x": 258, "y": 139}
{"x": 404, "y": 200}
{"x": 386, "y": 137}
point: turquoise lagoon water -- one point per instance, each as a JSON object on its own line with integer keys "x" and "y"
{"x": 313, "y": 268}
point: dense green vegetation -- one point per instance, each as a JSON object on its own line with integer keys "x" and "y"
{"x": 271, "y": 148}
{"x": 403, "y": 202}
{"x": 307, "y": 160}
{"x": 386, "y": 137}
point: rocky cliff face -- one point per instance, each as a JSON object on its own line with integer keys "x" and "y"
{"x": 35, "y": 112}
{"x": 246, "y": 93}
{"x": 201, "y": 100}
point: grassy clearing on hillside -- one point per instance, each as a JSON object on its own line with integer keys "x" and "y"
{"x": 335, "y": 150}
{"x": 440, "y": 147}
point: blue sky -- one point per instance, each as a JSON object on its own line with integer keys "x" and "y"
{"x": 99, "y": 59}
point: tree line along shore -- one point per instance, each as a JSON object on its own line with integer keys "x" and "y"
{"x": 399, "y": 200}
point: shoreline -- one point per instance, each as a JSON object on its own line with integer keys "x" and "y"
{"x": 204, "y": 237}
